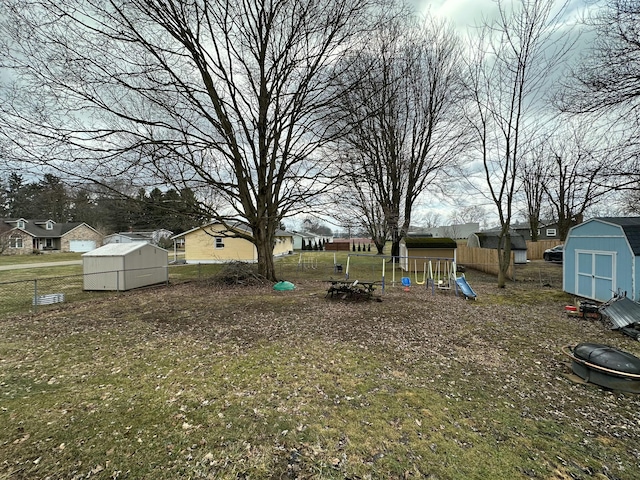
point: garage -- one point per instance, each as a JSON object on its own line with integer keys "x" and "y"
{"x": 82, "y": 246}
{"x": 602, "y": 258}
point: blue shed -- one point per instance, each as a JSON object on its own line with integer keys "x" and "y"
{"x": 602, "y": 257}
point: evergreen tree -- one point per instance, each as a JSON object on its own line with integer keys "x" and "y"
{"x": 53, "y": 199}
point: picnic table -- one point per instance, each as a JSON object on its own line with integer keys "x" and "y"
{"x": 350, "y": 289}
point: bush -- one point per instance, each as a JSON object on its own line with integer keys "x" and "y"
{"x": 240, "y": 273}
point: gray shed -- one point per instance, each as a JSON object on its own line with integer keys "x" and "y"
{"x": 124, "y": 266}
{"x": 489, "y": 239}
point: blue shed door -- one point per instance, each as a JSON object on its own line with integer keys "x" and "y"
{"x": 595, "y": 275}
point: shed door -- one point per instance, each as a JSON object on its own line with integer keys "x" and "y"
{"x": 595, "y": 274}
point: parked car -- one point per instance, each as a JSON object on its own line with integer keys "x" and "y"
{"x": 554, "y": 254}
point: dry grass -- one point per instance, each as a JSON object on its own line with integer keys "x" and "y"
{"x": 202, "y": 381}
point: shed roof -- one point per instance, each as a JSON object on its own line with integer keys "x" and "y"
{"x": 118, "y": 249}
{"x": 631, "y": 228}
{"x": 430, "y": 242}
{"x": 489, "y": 239}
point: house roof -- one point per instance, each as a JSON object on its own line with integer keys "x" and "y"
{"x": 631, "y": 228}
{"x": 526, "y": 225}
{"x": 430, "y": 242}
{"x": 37, "y": 228}
{"x": 235, "y": 226}
{"x": 134, "y": 235}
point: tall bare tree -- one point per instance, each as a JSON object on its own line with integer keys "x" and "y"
{"x": 608, "y": 77}
{"x": 402, "y": 120}
{"x": 605, "y": 85}
{"x": 514, "y": 56}
{"x": 361, "y": 207}
{"x": 218, "y": 96}
{"x": 533, "y": 174}
{"x": 579, "y": 177}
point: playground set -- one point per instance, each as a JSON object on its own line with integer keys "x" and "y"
{"x": 434, "y": 273}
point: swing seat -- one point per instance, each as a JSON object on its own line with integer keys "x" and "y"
{"x": 406, "y": 282}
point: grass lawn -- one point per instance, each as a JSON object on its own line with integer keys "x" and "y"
{"x": 49, "y": 257}
{"x": 202, "y": 381}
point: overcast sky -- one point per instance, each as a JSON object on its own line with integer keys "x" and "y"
{"x": 466, "y": 13}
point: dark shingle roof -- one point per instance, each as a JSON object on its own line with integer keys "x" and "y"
{"x": 489, "y": 239}
{"x": 37, "y": 228}
{"x": 631, "y": 228}
{"x": 429, "y": 242}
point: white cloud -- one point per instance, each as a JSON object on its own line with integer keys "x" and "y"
{"x": 462, "y": 13}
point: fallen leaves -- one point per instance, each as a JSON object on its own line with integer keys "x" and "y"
{"x": 300, "y": 384}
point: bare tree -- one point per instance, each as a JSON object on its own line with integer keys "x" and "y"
{"x": 533, "y": 174}
{"x": 217, "y": 96}
{"x": 579, "y": 176}
{"x": 608, "y": 77}
{"x": 632, "y": 201}
{"x": 515, "y": 55}
{"x": 429, "y": 219}
{"x": 605, "y": 85}
{"x": 403, "y": 125}
{"x": 468, "y": 214}
{"x": 361, "y": 207}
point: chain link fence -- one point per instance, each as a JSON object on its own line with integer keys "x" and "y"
{"x": 38, "y": 294}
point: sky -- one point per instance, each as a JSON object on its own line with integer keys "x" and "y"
{"x": 464, "y": 15}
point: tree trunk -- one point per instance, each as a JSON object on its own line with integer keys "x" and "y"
{"x": 504, "y": 258}
{"x": 266, "y": 265}
{"x": 534, "y": 225}
{"x": 264, "y": 238}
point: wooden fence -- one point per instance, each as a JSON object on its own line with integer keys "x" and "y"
{"x": 486, "y": 259}
{"x": 535, "y": 250}
{"x": 483, "y": 259}
{"x": 337, "y": 247}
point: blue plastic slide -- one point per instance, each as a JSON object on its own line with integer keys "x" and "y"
{"x": 465, "y": 288}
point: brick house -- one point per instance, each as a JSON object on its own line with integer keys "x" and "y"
{"x": 22, "y": 236}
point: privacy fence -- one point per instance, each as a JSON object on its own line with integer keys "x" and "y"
{"x": 486, "y": 259}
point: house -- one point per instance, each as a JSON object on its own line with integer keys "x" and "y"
{"x": 547, "y": 230}
{"x": 124, "y": 266}
{"x": 215, "y": 243}
{"x": 489, "y": 239}
{"x": 23, "y": 236}
{"x": 152, "y": 237}
{"x": 456, "y": 231}
{"x": 302, "y": 239}
{"x": 602, "y": 257}
{"x": 416, "y": 252}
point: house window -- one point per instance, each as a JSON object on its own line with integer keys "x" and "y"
{"x": 49, "y": 225}
{"x": 219, "y": 242}
{"x": 551, "y": 232}
{"x": 15, "y": 242}
{"x": 20, "y": 223}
